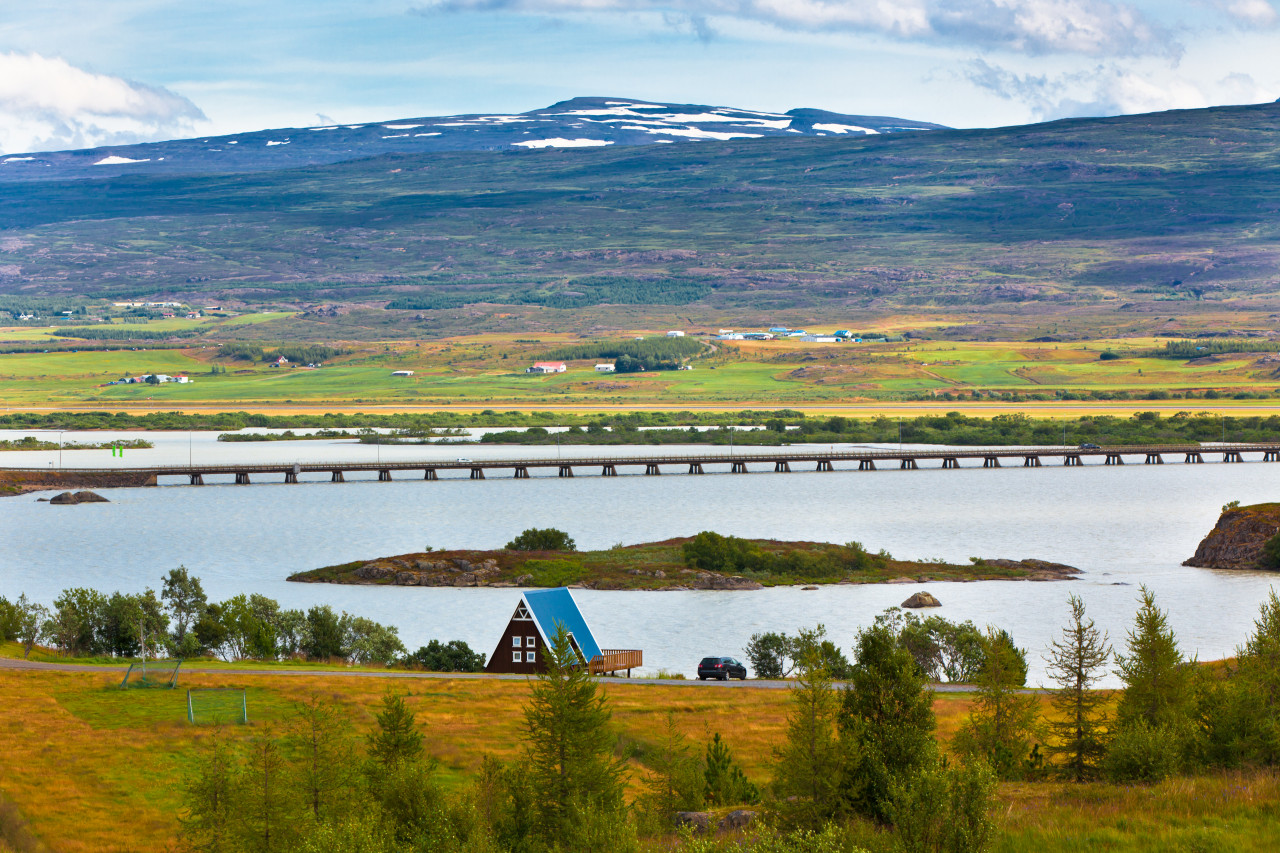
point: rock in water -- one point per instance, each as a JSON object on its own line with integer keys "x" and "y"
{"x": 922, "y": 599}
{"x": 64, "y": 498}
{"x": 90, "y": 498}
{"x": 1237, "y": 539}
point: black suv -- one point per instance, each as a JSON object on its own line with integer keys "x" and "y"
{"x": 721, "y": 668}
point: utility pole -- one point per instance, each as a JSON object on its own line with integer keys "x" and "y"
{"x": 59, "y": 450}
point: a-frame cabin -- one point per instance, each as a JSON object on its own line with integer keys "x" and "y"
{"x": 538, "y": 615}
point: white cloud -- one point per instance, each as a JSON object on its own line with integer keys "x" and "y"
{"x": 47, "y": 104}
{"x": 1103, "y": 28}
{"x": 1256, "y": 13}
{"x": 1109, "y": 90}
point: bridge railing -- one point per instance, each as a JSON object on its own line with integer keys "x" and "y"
{"x": 791, "y": 454}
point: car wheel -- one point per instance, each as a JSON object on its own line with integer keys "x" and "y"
{"x": 702, "y": 678}
{"x": 724, "y": 677}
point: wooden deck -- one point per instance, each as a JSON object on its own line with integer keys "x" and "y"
{"x": 610, "y": 661}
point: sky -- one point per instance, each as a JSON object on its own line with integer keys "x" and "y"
{"x": 85, "y": 73}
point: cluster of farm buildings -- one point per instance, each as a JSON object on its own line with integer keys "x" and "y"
{"x": 146, "y": 379}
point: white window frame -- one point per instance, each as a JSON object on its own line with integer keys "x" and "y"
{"x": 516, "y": 657}
{"x": 529, "y": 657}
{"x": 531, "y": 642}
{"x": 515, "y": 642}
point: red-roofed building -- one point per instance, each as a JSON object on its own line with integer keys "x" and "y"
{"x": 547, "y": 367}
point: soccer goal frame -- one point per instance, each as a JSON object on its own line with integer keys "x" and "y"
{"x": 162, "y": 673}
{"x": 230, "y": 698}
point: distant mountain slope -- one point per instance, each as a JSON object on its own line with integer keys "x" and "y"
{"x": 1148, "y": 214}
{"x": 580, "y": 122}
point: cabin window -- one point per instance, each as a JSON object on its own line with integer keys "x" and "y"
{"x": 528, "y": 657}
{"x": 515, "y": 657}
{"x": 531, "y": 642}
{"x": 515, "y": 641}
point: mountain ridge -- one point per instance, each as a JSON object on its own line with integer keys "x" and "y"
{"x": 578, "y": 122}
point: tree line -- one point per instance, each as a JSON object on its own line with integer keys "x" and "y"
{"x": 296, "y": 353}
{"x": 713, "y": 552}
{"x": 781, "y": 427}
{"x": 652, "y": 353}
{"x": 182, "y": 622}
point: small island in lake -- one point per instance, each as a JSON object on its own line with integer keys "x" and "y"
{"x": 705, "y": 561}
{"x": 1245, "y": 537}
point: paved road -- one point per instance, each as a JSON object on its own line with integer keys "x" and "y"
{"x": 754, "y": 684}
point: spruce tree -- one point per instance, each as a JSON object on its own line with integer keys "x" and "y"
{"x": 397, "y": 740}
{"x": 1257, "y": 687}
{"x": 572, "y": 771}
{"x": 320, "y": 740}
{"x": 1076, "y": 664}
{"x": 267, "y": 812}
{"x": 886, "y": 723}
{"x": 1003, "y": 721}
{"x": 807, "y": 769}
{"x": 209, "y": 811}
{"x": 724, "y": 782}
{"x": 1159, "y": 683}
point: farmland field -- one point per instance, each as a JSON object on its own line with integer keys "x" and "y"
{"x": 484, "y": 370}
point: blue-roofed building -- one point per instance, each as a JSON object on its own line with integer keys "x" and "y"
{"x": 537, "y": 618}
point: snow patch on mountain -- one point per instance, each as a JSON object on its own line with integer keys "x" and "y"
{"x": 563, "y": 143}
{"x": 844, "y": 128}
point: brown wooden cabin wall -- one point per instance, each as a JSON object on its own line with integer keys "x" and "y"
{"x": 501, "y": 659}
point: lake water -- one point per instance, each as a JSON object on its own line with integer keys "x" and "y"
{"x": 1122, "y": 526}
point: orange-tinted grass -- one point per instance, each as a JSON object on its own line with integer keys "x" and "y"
{"x": 77, "y": 754}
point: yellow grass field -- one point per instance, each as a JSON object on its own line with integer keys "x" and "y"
{"x": 90, "y": 767}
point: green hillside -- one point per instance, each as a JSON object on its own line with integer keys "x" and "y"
{"x": 1128, "y": 212}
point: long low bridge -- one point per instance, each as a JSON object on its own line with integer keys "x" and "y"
{"x": 869, "y": 459}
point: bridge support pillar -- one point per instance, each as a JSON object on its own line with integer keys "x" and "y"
{"x": 1031, "y": 462}
{"x": 652, "y": 469}
{"x": 336, "y": 477}
{"x": 1232, "y": 456}
{"x": 197, "y": 479}
{"x": 566, "y": 470}
{"x": 1072, "y": 460}
{"x": 1154, "y": 459}
{"x": 909, "y": 465}
{"x": 696, "y": 468}
{"x": 477, "y": 473}
{"x": 825, "y": 465}
{"x": 1271, "y": 456}
{"x": 521, "y": 473}
{"x": 242, "y": 478}
{"x": 782, "y": 467}
{"x": 609, "y": 471}
{"x": 430, "y": 474}
{"x": 384, "y": 476}
{"x": 1194, "y": 457}
{"x": 739, "y": 468}
{"x": 950, "y": 462}
{"x": 991, "y": 462}
{"x": 290, "y": 477}
{"x": 863, "y": 465}
{"x": 1114, "y": 459}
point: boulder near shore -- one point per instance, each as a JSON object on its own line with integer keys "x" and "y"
{"x": 922, "y": 599}
{"x": 78, "y": 498}
{"x": 1236, "y": 541}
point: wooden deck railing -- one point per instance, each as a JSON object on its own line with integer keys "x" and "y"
{"x": 615, "y": 660}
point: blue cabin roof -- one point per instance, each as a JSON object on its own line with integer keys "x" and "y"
{"x": 552, "y": 608}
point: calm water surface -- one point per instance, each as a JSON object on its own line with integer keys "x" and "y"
{"x": 1123, "y": 526}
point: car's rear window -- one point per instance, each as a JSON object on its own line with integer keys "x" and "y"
{"x": 710, "y": 661}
